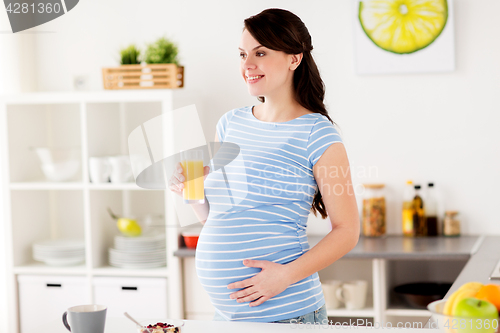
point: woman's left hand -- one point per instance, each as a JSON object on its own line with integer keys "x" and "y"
{"x": 270, "y": 281}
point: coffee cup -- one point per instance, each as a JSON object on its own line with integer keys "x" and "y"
{"x": 85, "y": 318}
{"x": 353, "y": 294}
{"x": 99, "y": 169}
{"x": 121, "y": 169}
{"x": 329, "y": 289}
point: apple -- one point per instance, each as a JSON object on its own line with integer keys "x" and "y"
{"x": 472, "y": 307}
{"x": 480, "y": 311}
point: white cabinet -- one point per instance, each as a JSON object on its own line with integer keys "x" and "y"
{"x": 141, "y": 297}
{"x": 196, "y": 301}
{"x": 45, "y": 298}
{"x": 98, "y": 123}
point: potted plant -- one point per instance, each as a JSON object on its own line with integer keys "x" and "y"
{"x": 160, "y": 68}
{"x": 130, "y": 56}
{"x": 163, "y": 51}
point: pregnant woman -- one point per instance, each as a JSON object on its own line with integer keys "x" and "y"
{"x": 253, "y": 258}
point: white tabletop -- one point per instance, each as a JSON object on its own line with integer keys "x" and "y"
{"x": 123, "y": 325}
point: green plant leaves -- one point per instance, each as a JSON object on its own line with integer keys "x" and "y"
{"x": 130, "y": 56}
{"x": 163, "y": 51}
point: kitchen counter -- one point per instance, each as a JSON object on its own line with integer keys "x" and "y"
{"x": 124, "y": 325}
{"x": 400, "y": 248}
{"x": 480, "y": 265}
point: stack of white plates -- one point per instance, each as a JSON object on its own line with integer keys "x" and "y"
{"x": 138, "y": 252}
{"x": 60, "y": 252}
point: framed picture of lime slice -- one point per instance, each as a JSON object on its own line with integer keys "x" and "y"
{"x": 403, "y": 36}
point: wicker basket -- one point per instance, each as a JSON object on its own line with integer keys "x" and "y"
{"x": 153, "y": 76}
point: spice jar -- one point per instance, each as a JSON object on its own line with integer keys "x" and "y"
{"x": 373, "y": 216}
{"x": 451, "y": 226}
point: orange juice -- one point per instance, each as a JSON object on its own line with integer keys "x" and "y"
{"x": 192, "y": 165}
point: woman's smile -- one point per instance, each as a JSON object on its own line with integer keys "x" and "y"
{"x": 251, "y": 79}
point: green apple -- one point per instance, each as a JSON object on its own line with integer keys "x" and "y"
{"x": 481, "y": 313}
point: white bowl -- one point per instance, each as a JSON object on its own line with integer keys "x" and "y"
{"x": 454, "y": 324}
{"x": 59, "y": 164}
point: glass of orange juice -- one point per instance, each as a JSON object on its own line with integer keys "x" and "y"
{"x": 192, "y": 165}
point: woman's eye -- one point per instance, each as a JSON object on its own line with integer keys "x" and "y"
{"x": 242, "y": 55}
{"x": 260, "y": 54}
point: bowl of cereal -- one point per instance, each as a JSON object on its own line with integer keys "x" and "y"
{"x": 160, "y": 326}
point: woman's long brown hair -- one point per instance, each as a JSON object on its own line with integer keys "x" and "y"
{"x": 281, "y": 30}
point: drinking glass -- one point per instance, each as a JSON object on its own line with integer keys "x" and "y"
{"x": 192, "y": 165}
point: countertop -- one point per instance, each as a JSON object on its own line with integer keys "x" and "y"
{"x": 124, "y": 325}
{"x": 481, "y": 264}
{"x": 400, "y": 248}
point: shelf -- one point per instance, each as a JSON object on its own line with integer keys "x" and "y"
{"x": 343, "y": 312}
{"x": 88, "y": 96}
{"x": 407, "y": 312}
{"x": 41, "y": 268}
{"x": 122, "y": 186}
{"x": 115, "y": 271}
{"x": 43, "y": 185}
{"x": 185, "y": 252}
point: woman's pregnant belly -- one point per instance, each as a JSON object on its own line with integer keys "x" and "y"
{"x": 222, "y": 248}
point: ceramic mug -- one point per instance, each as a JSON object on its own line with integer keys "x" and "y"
{"x": 99, "y": 169}
{"x": 353, "y": 294}
{"x": 329, "y": 291}
{"x": 121, "y": 169}
{"x": 85, "y": 318}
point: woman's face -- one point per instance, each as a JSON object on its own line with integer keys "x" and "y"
{"x": 265, "y": 71}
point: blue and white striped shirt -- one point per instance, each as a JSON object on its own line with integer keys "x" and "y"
{"x": 263, "y": 213}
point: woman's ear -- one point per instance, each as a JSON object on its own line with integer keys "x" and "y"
{"x": 295, "y": 61}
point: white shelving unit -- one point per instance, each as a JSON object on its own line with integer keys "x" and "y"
{"x": 35, "y": 209}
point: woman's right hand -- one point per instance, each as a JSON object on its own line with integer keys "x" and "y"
{"x": 176, "y": 182}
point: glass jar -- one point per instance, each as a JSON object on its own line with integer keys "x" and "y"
{"x": 451, "y": 226}
{"x": 373, "y": 215}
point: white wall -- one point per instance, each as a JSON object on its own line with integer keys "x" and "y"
{"x": 425, "y": 127}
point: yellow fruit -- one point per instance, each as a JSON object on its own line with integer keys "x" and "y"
{"x": 129, "y": 227}
{"x": 469, "y": 289}
{"x": 473, "y": 285}
{"x": 403, "y": 26}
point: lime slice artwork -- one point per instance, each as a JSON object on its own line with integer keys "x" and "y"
{"x": 403, "y": 26}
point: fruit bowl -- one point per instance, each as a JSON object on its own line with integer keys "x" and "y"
{"x": 150, "y": 326}
{"x": 454, "y": 324}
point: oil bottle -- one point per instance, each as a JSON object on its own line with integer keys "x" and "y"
{"x": 407, "y": 216}
{"x": 431, "y": 210}
{"x": 419, "y": 221}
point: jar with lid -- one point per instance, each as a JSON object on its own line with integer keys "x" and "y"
{"x": 451, "y": 225}
{"x": 374, "y": 212}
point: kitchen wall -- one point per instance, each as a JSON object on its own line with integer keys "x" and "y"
{"x": 425, "y": 127}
